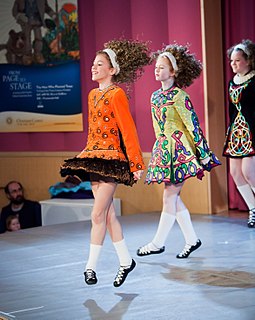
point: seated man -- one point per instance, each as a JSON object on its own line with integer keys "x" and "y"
{"x": 28, "y": 212}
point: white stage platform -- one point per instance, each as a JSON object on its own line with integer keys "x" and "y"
{"x": 56, "y": 211}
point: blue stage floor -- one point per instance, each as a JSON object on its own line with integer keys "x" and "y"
{"x": 41, "y": 274}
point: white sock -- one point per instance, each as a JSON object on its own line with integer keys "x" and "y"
{"x": 123, "y": 253}
{"x": 184, "y": 221}
{"x": 165, "y": 225}
{"x": 247, "y": 194}
{"x": 94, "y": 253}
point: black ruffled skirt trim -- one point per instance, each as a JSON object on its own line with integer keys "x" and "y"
{"x": 82, "y": 167}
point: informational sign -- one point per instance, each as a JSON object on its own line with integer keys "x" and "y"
{"x": 39, "y": 66}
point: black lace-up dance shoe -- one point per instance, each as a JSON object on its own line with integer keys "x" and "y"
{"x": 145, "y": 251}
{"x": 251, "y": 219}
{"x": 90, "y": 276}
{"x": 188, "y": 249}
{"x": 122, "y": 274}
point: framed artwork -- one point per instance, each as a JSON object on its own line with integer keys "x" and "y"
{"x": 40, "y": 66}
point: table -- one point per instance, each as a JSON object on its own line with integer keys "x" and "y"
{"x": 56, "y": 211}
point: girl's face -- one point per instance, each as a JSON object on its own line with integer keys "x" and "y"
{"x": 101, "y": 69}
{"x": 238, "y": 63}
{"x": 14, "y": 225}
{"x": 163, "y": 69}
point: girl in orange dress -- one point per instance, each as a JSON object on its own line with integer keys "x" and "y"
{"x": 112, "y": 154}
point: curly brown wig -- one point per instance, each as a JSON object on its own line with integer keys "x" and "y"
{"x": 251, "y": 51}
{"x": 189, "y": 68}
{"x": 132, "y": 57}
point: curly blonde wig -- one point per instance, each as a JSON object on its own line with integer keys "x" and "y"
{"x": 249, "y": 48}
{"x": 132, "y": 57}
{"x": 189, "y": 68}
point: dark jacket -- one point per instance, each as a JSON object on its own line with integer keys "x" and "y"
{"x": 29, "y": 215}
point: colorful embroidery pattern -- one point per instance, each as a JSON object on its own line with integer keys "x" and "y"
{"x": 183, "y": 159}
{"x": 196, "y": 130}
{"x": 239, "y": 134}
{"x": 179, "y": 139}
{"x": 240, "y": 137}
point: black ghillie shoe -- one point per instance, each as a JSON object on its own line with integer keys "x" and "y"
{"x": 251, "y": 219}
{"x": 90, "y": 276}
{"x": 145, "y": 251}
{"x": 122, "y": 274}
{"x": 188, "y": 249}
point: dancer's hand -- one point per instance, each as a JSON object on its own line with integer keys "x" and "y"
{"x": 205, "y": 161}
{"x": 138, "y": 174}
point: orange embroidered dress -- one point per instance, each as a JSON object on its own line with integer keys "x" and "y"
{"x": 112, "y": 148}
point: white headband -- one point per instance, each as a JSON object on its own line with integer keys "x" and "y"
{"x": 171, "y": 58}
{"x": 112, "y": 55}
{"x": 242, "y": 47}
